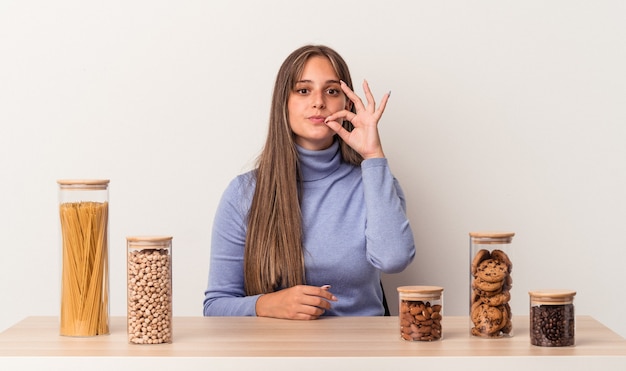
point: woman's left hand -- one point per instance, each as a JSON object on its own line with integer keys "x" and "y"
{"x": 364, "y": 137}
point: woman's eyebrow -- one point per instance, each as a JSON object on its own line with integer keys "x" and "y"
{"x": 311, "y": 81}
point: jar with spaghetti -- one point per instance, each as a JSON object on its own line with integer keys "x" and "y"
{"x": 149, "y": 265}
{"x": 420, "y": 312}
{"x": 490, "y": 284}
{"x": 83, "y": 211}
{"x": 552, "y": 321}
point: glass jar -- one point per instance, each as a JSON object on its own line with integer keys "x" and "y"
{"x": 552, "y": 321}
{"x": 420, "y": 312}
{"x": 83, "y": 212}
{"x": 149, "y": 281}
{"x": 490, "y": 284}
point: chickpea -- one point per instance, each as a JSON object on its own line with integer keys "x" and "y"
{"x": 149, "y": 296}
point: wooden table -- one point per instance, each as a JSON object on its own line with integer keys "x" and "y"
{"x": 349, "y": 343}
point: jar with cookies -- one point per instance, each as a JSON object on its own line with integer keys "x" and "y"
{"x": 490, "y": 284}
{"x": 420, "y": 312}
{"x": 149, "y": 265}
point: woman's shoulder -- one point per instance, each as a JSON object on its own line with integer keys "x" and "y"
{"x": 246, "y": 177}
{"x": 242, "y": 184}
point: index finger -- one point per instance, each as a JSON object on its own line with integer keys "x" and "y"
{"x": 324, "y": 293}
{"x": 358, "y": 103}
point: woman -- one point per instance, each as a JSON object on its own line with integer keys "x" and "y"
{"x": 309, "y": 231}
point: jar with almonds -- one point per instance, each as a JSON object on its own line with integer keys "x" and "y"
{"x": 420, "y": 312}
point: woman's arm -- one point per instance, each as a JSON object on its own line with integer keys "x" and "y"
{"x": 225, "y": 294}
{"x": 390, "y": 245}
{"x": 389, "y": 238}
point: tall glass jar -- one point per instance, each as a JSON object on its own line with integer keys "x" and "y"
{"x": 490, "y": 284}
{"x": 149, "y": 263}
{"x": 420, "y": 312}
{"x": 552, "y": 321}
{"x": 83, "y": 211}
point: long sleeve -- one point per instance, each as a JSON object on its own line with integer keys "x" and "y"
{"x": 389, "y": 238}
{"x": 225, "y": 294}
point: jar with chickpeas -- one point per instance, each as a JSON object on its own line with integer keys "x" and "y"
{"x": 420, "y": 312}
{"x": 149, "y": 265}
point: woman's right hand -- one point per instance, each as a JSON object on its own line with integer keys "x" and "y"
{"x": 299, "y": 302}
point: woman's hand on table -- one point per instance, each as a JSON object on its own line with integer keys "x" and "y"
{"x": 299, "y": 302}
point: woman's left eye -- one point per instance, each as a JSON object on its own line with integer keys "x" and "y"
{"x": 333, "y": 91}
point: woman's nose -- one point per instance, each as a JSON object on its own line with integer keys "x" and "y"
{"x": 318, "y": 101}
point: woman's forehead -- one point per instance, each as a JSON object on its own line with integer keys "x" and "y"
{"x": 318, "y": 67}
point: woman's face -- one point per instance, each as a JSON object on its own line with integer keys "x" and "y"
{"x": 316, "y": 95}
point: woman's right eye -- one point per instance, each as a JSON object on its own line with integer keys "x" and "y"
{"x": 302, "y": 91}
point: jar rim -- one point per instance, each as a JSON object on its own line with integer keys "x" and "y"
{"x": 149, "y": 238}
{"x": 491, "y": 234}
{"x": 552, "y": 295}
{"x": 83, "y": 184}
{"x": 83, "y": 181}
{"x": 491, "y": 237}
{"x": 417, "y": 289}
{"x": 152, "y": 242}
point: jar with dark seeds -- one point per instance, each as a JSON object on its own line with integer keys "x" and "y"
{"x": 552, "y": 319}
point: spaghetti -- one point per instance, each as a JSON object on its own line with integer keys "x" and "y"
{"x": 84, "y": 291}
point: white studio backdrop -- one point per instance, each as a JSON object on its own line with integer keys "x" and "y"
{"x": 504, "y": 115}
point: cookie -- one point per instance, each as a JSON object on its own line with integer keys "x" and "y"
{"x": 480, "y": 256}
{"x": 508, "y": 283}
{"x": 475, "y": 304}
{"x": 482, "y": 285}
{"x": 482, "y": 293}
{"x": 487, "y": 319}
{"x": 483, "y": 311}
{"x": 497, "y": 300}
{"x": 477, "y": 332}
{"x": 508, "y": 327}
{"x": 475, "y": 313}
{"x": 492, "y": 270}
{"x": 502, "y": 257}
{"x": 506, "y": 318}
{"x": 507, "y": 309}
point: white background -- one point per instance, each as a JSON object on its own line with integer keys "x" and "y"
{"x": 504, "y": 115}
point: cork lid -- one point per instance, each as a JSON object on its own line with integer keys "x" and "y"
{"x": 552, "y": 296}
{"x": 491, "y": 237}
{"x": 153, "y": 242}
{"x": 83, "y": 183}
{"x": 420, "y": 291}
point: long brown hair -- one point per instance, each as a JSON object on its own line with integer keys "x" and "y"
{"x": 273, "y": 256}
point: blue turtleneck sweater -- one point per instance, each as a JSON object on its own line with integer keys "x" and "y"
{"x": 355, "y": 227}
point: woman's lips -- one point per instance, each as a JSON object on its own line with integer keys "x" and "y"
{"x": 317, "y": 119}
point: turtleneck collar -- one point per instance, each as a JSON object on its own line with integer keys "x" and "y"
{"x": 316, "y": 165}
